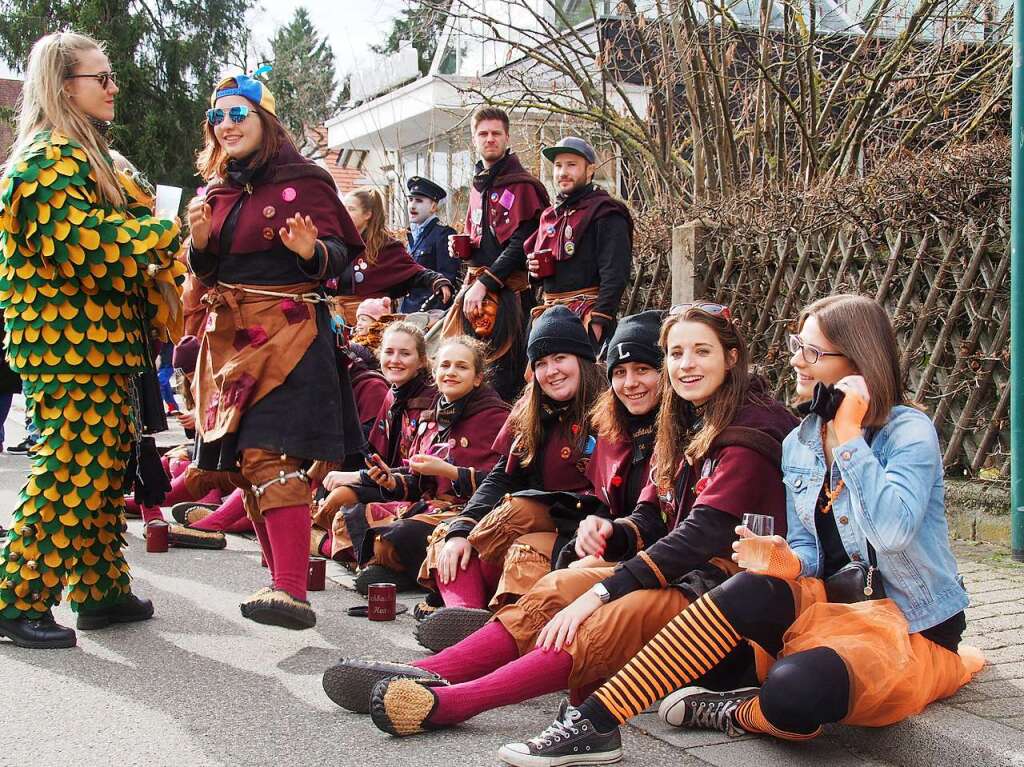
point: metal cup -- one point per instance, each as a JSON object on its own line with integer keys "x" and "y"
{"x": 316, "y": 579}
{"x": 460, "y": 245}
{"x": 156, "y": 536}
{"x": 382, "y": 601}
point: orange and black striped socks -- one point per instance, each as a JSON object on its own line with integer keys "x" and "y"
{"x": 751, "y": 718}
{"x": 689, "y": 646}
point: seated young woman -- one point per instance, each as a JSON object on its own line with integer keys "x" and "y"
{"x": 623, "y": 419}
{"x": 450, "y": 454}
{"x": 404, "y": 363}
{"x": 528, "y": 508}
{"x": 864, "y": 484}
{"x": 719, "y": 440}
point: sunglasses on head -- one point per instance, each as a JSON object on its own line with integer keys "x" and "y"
{"x": 103, "y": 78}
{"x": 718, "y": 309}
{"x": 235, "y": 114}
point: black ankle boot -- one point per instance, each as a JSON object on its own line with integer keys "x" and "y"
{"x": 43, "y": 633}
{"x": 128, "y": 610}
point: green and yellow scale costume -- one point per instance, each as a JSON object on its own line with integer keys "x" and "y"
{"x": 73, "y": 276}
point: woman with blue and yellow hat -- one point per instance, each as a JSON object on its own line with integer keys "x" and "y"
{"x": 82, "y": 260}
{"x": 267, "y": 235}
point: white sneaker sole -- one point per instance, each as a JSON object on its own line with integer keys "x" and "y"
{"x": 673, "y": 708}
{"x": 517, "y": 759}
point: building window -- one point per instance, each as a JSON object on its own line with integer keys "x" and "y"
{"x": 353, "y": 158}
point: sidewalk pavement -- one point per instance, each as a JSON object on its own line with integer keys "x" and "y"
{"x": 981, "y": 726}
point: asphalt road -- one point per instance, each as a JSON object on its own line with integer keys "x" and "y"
{"x": 200, "y": 685}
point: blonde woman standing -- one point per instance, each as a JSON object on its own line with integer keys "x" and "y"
{"x": 76, "y": 263}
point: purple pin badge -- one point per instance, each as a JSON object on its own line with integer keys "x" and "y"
{"x": 508, "y": 198}
{"x": 288, "y": 194}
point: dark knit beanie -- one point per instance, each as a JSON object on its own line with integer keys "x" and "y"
{"x": 636, "y": 340}
{"x": 186, "y": 354}
{"x": 559, "y": 331}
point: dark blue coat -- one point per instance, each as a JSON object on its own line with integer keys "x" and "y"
{"x": 430, "y": 250}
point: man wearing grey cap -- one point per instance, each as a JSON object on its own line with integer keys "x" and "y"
{"x": 582, "y": 251}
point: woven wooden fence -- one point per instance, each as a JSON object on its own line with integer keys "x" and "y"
{"x": 929, "y": 241}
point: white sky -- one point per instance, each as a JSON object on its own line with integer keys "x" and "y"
{"x": 351, "y": 26}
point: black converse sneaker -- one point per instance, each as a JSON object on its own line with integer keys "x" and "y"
{"x": 571, "y": 740}
{"x": 704, "y": 709}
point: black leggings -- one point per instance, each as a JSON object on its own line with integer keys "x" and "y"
{"x": 802, "y": 691}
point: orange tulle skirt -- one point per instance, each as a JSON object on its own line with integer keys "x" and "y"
{"x": 893, "y": 674}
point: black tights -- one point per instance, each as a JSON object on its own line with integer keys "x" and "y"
{"x": 802, "y": 691}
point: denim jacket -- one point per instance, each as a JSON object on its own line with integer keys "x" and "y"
{"x": 893, "y": 497}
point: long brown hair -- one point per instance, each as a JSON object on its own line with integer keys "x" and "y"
{"x": 45, "y": 106}
{"x": 525, "y": 420}
{"x": 377, "y": 232}
{"x": 859, "y": 328}
{"x": 212, "y": 160}
{"x": 672, "y": 443}
{"x": 609, "y": 416}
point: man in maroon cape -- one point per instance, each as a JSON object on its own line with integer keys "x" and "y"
{"x": 505, "y": 203}
{"x": 582, "y": 250}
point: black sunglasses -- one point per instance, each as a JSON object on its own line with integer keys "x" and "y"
{"x": 103, "y": 78}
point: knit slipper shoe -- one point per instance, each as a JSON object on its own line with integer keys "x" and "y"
{"x": 265, "y": 591}
{"x": 449, "y": 626}
{"x": 374, "y": 574}
{"x": 428, "y": 606}
{"x": 182, "y": 537}
{"x": 350, "y": 681}
{"x": 403, "y": 706}
{"x": 190, "y": 512}
{"x": 279, "y": 608}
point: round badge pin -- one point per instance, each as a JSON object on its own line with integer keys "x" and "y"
{"x": 288, "y": 194}
{"x": 359, "y": 276}
{"x": 464, "y": 442}
{"x": 269, "y": 211}
{"x": 494, "y": 196}
{"x": 566, "y": 452}
{"x": 570, "y": 248}
{"x": 268, "y": 233}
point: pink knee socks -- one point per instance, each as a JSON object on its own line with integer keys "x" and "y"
{"x": 483, "y": 651}
{"x": 176, "y": 494}
{"x": 230, "y": 517}
{"x": 539, "y": 672}
{"x": 471, "y": 587}
{"x": 287, "y": 530}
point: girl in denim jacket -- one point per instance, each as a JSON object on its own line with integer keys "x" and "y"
{"x": 863, "y": 477}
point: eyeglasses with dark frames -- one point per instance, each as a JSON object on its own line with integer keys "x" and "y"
{"x": 103, "y": 78}
{"x": 811, "y": 354}
{"x": 704, "y": 306}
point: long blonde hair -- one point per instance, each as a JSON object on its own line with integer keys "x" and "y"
{"x": 44, "y": 106}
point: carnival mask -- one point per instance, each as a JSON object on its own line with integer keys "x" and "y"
{"x": 484, "y": 321}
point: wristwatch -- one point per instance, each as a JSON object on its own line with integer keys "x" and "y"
{"x": 602, "y": 593}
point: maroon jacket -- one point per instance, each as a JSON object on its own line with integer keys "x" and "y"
{"x": 469, "y": 446}
{"x": 608, "y": 472}
{"x": 295, "y": 185}
{"x": 673, "y": 534}
{"x": 505, "y": 203}
{"x": 393, "y": 274}
{"x": 370, "y": 389}
{"x": 558, "y": 467}
{"x": 405, "y": 420}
